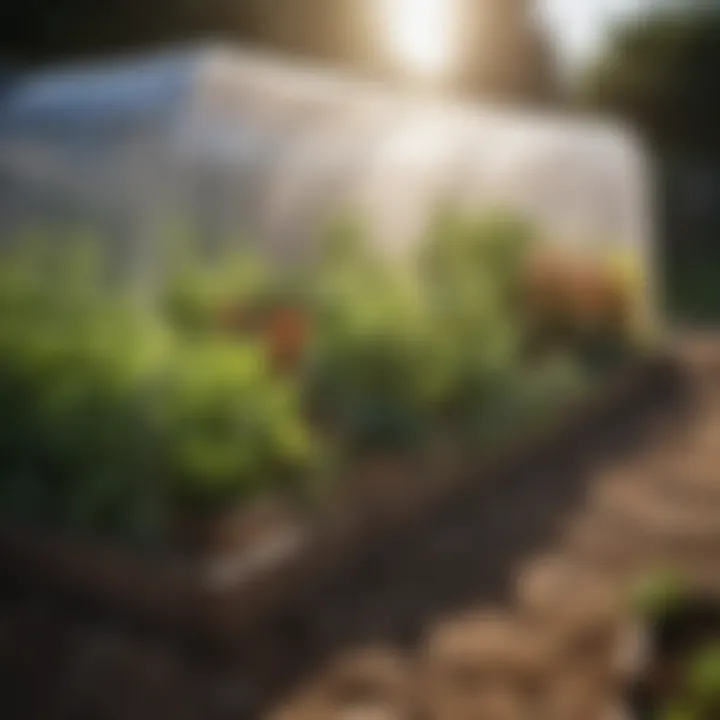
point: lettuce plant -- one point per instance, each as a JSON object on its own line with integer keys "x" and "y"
{"x": 228, "y": 428}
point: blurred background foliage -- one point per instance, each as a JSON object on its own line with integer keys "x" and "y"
{"x": 661, "y": 73}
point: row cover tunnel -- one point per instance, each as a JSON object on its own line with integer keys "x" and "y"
{"x": 229, "y": 144}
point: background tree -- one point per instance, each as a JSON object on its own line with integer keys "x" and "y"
{"x": 661, "y": 73}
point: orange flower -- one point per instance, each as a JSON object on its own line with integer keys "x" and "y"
{"x": 576, "y": 290}
{"x": 287, "y": 331}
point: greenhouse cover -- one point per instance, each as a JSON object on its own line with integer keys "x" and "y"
{"x": 232, "y": 145}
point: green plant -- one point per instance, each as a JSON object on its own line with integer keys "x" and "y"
{"x": 470, "y": 268}
{"x": 658, "y": 593}
{"x": 74, "y": 361}
{"x": 202, "y": 295}
{"x": 377, "y": 368}
{"x": 699, "y": 697}
{"x": 228, "y": 428}
{"x": 703, "y": 677}
{"x": 524, "y": 399}
{"x": 403, "y": 348}
{"x": 117, "y": 406}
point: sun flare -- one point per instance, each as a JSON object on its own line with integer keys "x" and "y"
{"x": 420, "y": 33}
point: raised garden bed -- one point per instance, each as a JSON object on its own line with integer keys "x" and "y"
{"x": 197, "y": 461}
{"x": 286, "y": 557}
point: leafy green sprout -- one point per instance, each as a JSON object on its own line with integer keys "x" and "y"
{"x": 657, "y": 594}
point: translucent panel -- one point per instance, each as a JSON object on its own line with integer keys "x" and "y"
{"x": 114, "y": 93}
{"x": 245, "y": 146}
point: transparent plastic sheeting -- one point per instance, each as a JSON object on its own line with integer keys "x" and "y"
{"x": 240, "y": 145}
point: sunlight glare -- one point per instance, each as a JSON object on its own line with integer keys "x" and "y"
{"x": 421, "y": 33}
